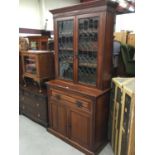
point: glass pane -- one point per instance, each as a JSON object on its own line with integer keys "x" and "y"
{"x": 30, "y": 64}
{"x": 88, "y": 47}
{"x": 65, "y": 47}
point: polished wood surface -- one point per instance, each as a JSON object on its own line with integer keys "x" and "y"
{"x": 79, "y": 114}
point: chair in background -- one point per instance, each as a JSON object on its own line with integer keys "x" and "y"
{"x": 127, "y": 53}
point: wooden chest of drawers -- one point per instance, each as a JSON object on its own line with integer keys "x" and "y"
{"x": 78, "y": 115}
{"x": 33, "y": 104}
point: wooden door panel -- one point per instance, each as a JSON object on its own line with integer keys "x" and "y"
{"x": 54, "y": 116}
{"x": 80, "y": 128}
{"x": 62, "y": 119}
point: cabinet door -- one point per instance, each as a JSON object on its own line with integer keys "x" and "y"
{"x": 53, "y": 116}
{"x": 58, "y": 117}
{"x": 29, "y": 64}
{"x": 65, "y": 47}
{"x": 80, "y": 127}
{"x": 62, "y": 120}
{"x": 87, "y": 51}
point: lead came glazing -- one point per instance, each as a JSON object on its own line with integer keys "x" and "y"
{"x": 65, "y": 46}
{"x": 87, "y": 50}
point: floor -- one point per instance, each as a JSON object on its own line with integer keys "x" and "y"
{"x": 35, "y": 140}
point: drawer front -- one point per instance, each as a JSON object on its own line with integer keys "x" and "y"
{"x": 77, "y": 102}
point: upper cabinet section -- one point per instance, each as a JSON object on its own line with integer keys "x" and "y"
{"x": 83, "y": 36}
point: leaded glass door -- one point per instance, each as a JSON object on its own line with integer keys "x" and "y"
{"x": 65, "y": 48}
{"x": 88, "y": 49}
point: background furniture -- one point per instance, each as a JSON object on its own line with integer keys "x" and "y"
{"x": 20, "y": 69}
{"x": 33, "y": 104}
{"x": 38, "y": 42}
{"x": 122, "y": 117}
{"x": 127, "y": 54}
{"x": 125, "y": 37}
{"x": 79, "y": 97}
{"x": 38, "y": 65}
{"x": 131, "y": 39}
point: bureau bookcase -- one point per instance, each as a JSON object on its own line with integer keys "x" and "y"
{"x": 79, "y": 96}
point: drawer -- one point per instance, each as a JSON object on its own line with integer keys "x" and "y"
{"x": 41, "y": 115}
{"x": 55, "y": 92}
{"x": 70, "y": 101}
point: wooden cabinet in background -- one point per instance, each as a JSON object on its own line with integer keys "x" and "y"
{"x": 131, "y": 39}
{"x": 33, "y": 104}
{"x": 38, "y": 65}
{"x": 38, "y": 42}
{"x": 20, "y": 69}
{"x": 123, "y": 116}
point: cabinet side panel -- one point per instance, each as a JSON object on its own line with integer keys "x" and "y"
{"x": 46, "y": 67}
{"x": 107, "y": 50}
{"x": 101, "y": 119}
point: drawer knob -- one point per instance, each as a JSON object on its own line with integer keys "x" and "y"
{"x": 79, "y": 104}
{"x": 38, "y": 115}
{"x": 23, "y": 107}
{"x": 22, "y": 98}
{"x": 37, "y": 104}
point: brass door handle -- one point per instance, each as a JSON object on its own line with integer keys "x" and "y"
{"x": 79, "y": 104}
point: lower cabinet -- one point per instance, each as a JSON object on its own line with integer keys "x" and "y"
{"x": 79, "y": 117}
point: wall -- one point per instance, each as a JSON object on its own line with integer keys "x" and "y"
{"x": 125, "y": 22}
{"x": 33, "y": 13}
{"x": 29, "y": 14}
{"x": 53, "y": 4}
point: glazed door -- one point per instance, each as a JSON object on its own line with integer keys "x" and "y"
{"x": 64, "y": 44}
{"x": 30, "y": 65}
{"x": 79, "y": 126}
{"x": 87, "y": 48}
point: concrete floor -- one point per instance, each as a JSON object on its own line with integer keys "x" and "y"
{"x": 35, "y": 140}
